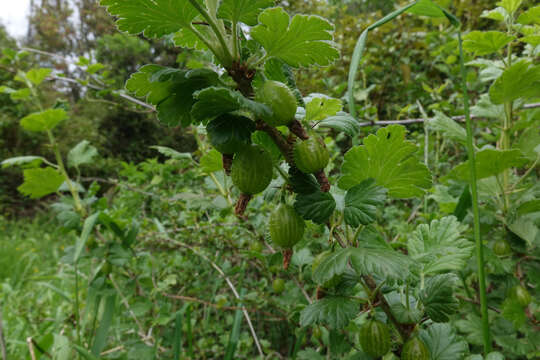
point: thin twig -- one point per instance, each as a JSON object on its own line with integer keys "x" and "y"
{"x": 114, "y": 349}
{"x": 31, "y": 348}
{"x": 421, "y": 120}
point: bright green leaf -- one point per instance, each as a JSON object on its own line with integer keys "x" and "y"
{"x": 214, "y": 101}
{"x": 485, "y": 42}
{"x": 489, "y": 162}
{"x": 529, "y": 207}
{"x": 21, "y": 94}
{"x": 140, "y": 85}
{"x": 36, "y": 76}
{"x": 334, "y": 311}
{"x": 39, "y": 182}
{"x": 342, "y": 122}
{"x": 448, "y": 127}
{"x": 440, "y": 246}
{"x": 510, "y": 5}
{"x": 43, "y": 121}
{"x": 531, "y": 16}
{"x": 317, "y": 207}
{"x": 438, "y": 297}
{"x": 303, "y": 41}
{"x": 246, "y": 11}
{"x": 484, "y": 108}
{"x": 82, "y": 153}
{"x": 362, "y": 201}
{"x": 388, "y": 158}
{"x": 322, "y": 107}
{"x": 534, "y": 40}
{"x": 211, "y": 162}
{"x": 513, "y": 312}
{"x": 334, "y": 264}
{"x": 443, "y": 342}
{"x": 27, "y": 161}
{"x": 187, "y": 39}
{"x": 521, "y": 80}
{"x": 497, "y": 14}
{"x": 152, "y": 18}
{"x": 94, "y": 68}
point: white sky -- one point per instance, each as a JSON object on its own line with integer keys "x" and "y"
{"x": 13, "y": 14}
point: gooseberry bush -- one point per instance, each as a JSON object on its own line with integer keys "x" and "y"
{"x": 374, "y": 297}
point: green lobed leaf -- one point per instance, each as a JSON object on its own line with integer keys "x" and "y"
{"x": 438, "y": 297}
{"x": 529, "y": 207}
{"x": 43, "y": 121}
{"x": 26, "y": 161}
{"x": 36, "y": 76}
{"x": 21, "y": 94}
{"x": 521, "y": 80}
{"x": 362, "y": 201}
{"x": 342, "y": 122}
{"x": 171, "y": 90}
{"x": 497, "y": 14}
{"x": 512, "y": 311}
{"x": 211, "y": 162}
{"x": 525, "y": 228}
{"x": 443, "y": 343}
{"x": 246, "y": 11}
{"x": 510, "y": 5}
{"x": 317, "y": 207}
{"x": 334, "y": 264}
{"x": 334, "y": 311}
{"x": 381, "y": 261}
{"x": 321, "y": 107}
{"x": 489, "y": 162}
{"x": 484, "y": 108}
{"x": 531, "y": 16}
{"x": 153, "y": 18}
{"x": 214, "y": 101}
{"x": 485, "y": 42}
{"x": 187, "y": 39}
{"x": 448, "y": 127}
{"x": 39, "y": 182}
{"x": 82, "y": 153}
{"x": 440, "y": 246}
{"x": 534, "y": 40}
{"x": 302, "y": 183}
{"x": 398, "y": 306}
{"x": 388, "y": 158}
{"x": 301, "y": 41}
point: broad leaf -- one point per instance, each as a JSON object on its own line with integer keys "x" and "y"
{"x": 525, "y": 228}
{"x": 171, "y": 90}
{"x": 334, "y": 311}
{"x": 153, "y": 18}
{"x": 529, "y": 207}
{"x": 39, "y": 182}
{"x": 521, "y": 80}
{"x": 426, "y": 8}
{"x": 334, "y": 264}
{"x": 472, "y": 327}
{"x": 214, "y": 101}
{"x": 173, "y": 154}
{"x": 443, "y": 343}
{"x": 317, "y": 207}
{"x": 510, "y": 5}
{"x": 388, "y": 158}
{"x": 448, "y": 127}
{"x": 361, "y": 202}
{"x": 302, "y": 183}
{"x": 398, "y": 305}
{"x": 438, "y": 297}
{"x": 43, "y": 121}
{"x": 513, "y": 312}
{"x": 342, "y": 122}
{"x": 531, "y": 16}
{"x": 211, "y": 162}
{"x": 321, "y": 107}
{"x": 489, "y": 162}
{"x": 187, "y": 39}
{"x": 21, "y": 94}
{"x": 497, "y": 14}
{"x": 484, "y": 108}
{"x": 82, "y": 153}
{"x": 36, "y": 76}
{"x": 485, "y": 42}
{"x": 303, "y": 41}
{"x": 440, "y": 247}
{"x": 381, "y": 261}
{"x": 26, "y": 161}
{"x": 246, "y": 11}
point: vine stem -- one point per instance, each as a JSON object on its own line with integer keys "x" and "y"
{"x": 474, "y": 193}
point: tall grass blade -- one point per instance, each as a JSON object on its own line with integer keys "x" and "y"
{"x": 235, "y": 335}
{"x": 177, "y": 341}
{"x": 104, "y": 325}
{"x": 189, "y": 332}
{"x": 474, "y": 194}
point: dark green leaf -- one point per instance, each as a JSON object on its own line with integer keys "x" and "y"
{"x": 334, "y": 311}
{"x": 332, "y": 265}
{"x": 443, "y": 343}
{"x": 303, "y": 183}
{"x": 361, "y": 202}
{"x": 381, "y": 261}
{"x": 398, "y": 305}
{"x": 438, "y": 297}
{"x": 317, "y": 207}
{"x": 104, "y": 324}
{"x": 465, "y": 202}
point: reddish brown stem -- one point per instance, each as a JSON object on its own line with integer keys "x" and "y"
{"x": 323, "y": 181}
{"x": 297, "y": 129}
{"x": 287, "y": 255}
{"x": 242, "y": 204}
